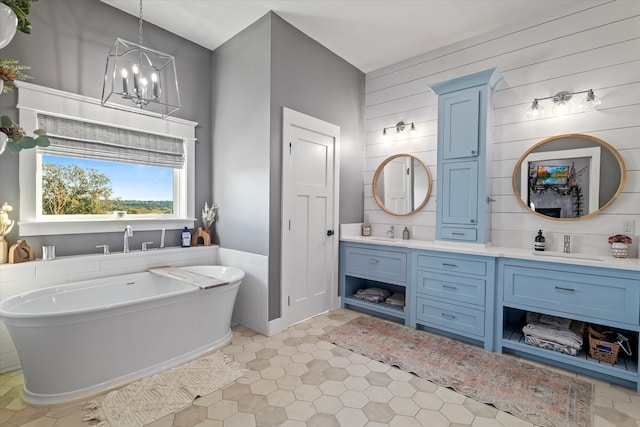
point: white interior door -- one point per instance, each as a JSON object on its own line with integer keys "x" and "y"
{"x": 397, "y": 185}
{"x": 309, "y": 241}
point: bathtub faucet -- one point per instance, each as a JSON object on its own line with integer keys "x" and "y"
{"x": 128, "y": 232}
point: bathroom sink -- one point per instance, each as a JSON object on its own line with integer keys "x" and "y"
{"x": 561, "y": 255}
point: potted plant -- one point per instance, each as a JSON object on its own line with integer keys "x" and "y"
{"x": 21, "y": 8}
{"x": 16, "y": 139}
{"x": 620, "y": 245}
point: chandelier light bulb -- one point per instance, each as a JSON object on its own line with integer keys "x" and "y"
{"x": 125, "y": 81}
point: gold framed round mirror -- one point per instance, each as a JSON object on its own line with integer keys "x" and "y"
{"x": 402, "y": 185}
{"x": 569, "y": 177}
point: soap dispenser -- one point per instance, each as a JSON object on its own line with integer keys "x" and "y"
{"x": 185, "y": 238}
{"x": 405, "y": 234}
{"x": 539, "y": 242}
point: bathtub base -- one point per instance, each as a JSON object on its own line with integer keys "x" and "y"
{"x": 39, "y": 400}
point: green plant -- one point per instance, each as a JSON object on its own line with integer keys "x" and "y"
{"x": 10, "y": 71}
{"x": 21, "y": 8}
{"x": 18, "y": 138}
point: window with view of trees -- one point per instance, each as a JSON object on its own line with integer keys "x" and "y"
{"x": 99, "y": 161}
{"x": 75, "y": 186}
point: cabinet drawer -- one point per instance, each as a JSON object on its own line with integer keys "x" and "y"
{"x": 465, "y": 234}
{"x": 608, "y": 298}
{"x": 377, "y": 264}
{"x": 463, "y": 320}
{"x": 455, "y": 288}
{"x": 452, "y": 264}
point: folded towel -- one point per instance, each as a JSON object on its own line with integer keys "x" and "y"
{"x": 572, "y": 337}
{"x": 396, "y": 299}
{"x": 372, "y": 294}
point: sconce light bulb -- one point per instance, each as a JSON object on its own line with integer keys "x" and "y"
{"x": 561, "y": 108}
{"x": 591, "y": 102}
{"x": 135, "y": 69}
{"x": 154, "y": 77}
{"x": 143, "y": 81}
{"x": 124, "y": 73}
{"x": 535, "y": 110}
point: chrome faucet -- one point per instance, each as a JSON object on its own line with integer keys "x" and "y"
{"x": 391, "y": 232}
{"x": 567, "y": 244}
{"x": 128, "y": 232}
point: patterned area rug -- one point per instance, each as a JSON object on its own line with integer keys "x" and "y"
{"x": 539, "y": 396}
{"x": 151, "y": 398}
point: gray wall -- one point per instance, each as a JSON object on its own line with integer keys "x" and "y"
{"x": 241, "y": 74}
{"x": 309, "y": 78}
{"x": 268, "y": 66}
{"x": 67, "y": 50}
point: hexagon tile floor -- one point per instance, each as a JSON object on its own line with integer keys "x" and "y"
{"x": 298, "y": 380}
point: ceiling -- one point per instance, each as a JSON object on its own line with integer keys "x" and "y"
{"x": 370, "y": 34}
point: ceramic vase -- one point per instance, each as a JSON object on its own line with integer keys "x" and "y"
{"x": 8, "y": 25}
{"x": 619, "y": 250}
{"x": 4, "y": 250}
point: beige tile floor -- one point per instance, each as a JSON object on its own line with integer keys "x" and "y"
{"x": 298, "y": 380}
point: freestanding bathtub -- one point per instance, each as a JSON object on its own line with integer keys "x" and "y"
{"x": 82, "y": 338}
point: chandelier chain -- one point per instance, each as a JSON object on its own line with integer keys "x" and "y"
{"x": 140, "y": 25}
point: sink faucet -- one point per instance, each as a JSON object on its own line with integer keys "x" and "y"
{"x": 567, "y": 244}
{"x": 391, "y": 232}
{"x": 128, "y": 232}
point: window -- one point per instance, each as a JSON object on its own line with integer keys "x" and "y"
{"x": 104, "y": 167}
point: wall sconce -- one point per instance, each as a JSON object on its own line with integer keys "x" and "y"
{"x": 399, "y": 127}
{"x": 561, "y": 105}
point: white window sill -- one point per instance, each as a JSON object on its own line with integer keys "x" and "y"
{"x": 50, "y": 228}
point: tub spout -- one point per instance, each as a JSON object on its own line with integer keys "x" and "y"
{"x": 128, "y": 232}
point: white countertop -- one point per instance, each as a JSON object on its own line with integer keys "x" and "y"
{"x": 500, "y": 252}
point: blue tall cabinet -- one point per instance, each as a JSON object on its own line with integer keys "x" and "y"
{"x": 463, "y": 207}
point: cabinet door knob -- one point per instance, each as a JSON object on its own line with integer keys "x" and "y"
{"x": 473, "y": 221}
{"x": 473, "y": 152}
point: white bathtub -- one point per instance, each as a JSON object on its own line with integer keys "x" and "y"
{"x": 79, "y": 339}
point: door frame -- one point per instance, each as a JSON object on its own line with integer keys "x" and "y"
{"x": 292, "y": 118}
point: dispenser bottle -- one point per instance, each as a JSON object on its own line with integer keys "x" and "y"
{"x": 405, "y": 234}
{"x": 539, "y": 242}
{"x": 185, "y": 238}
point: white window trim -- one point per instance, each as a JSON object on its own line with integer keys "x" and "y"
{"x": 34, "y": 99}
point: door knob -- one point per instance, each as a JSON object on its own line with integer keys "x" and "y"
{"x": 329, "y": 233}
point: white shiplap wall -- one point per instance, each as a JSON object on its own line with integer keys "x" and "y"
{"x": 589, "y": 47}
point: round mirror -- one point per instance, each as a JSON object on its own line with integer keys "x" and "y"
{"x": 402, "y": 185}
{"x": 569, "y": 177}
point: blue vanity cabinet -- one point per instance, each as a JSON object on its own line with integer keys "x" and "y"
{"x": 594, "y": 295}
{"x": 365, "y": 265}
{"x": 453, "y": 293}
{"x": 463, "y": 211}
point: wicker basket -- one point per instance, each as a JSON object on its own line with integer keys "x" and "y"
{"x": 602, "y": 350}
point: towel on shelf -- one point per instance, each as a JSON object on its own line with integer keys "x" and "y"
{"x": 554, "y": 333}
{"x": 372, "y": 294}
{"x": 396, "y": 299}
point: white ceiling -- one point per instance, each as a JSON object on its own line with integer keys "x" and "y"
{"x": 369, "y": 34}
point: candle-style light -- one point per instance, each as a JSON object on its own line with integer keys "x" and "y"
{"x": 125, "y": 81}
{"x": 156, "y": 89}
{"x": 136, "y": 85}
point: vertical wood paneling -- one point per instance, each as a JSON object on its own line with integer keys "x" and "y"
{"x": 596, "y": 47}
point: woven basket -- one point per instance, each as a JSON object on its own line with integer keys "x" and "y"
{"x": 602, "y": 350}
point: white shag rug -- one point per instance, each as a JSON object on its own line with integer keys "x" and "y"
{"x": 152, "y": 398}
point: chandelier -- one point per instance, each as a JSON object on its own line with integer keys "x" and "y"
{"x": 137, "y": 77}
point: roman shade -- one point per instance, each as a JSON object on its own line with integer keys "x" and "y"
{"x": 74, "y": 138}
